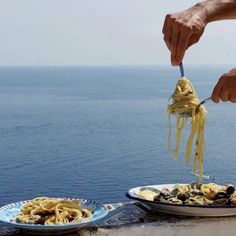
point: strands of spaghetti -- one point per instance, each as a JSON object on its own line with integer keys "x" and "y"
{"x": 184, "y": 107}
{"x": 52, "y": 211}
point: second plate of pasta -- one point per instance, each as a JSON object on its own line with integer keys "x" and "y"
{"x": 193, "y": 199}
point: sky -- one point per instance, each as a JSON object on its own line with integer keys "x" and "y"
{"x": 102, "y": 32}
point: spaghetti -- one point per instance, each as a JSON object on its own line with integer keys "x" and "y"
{"x": 185, "y": 105}
{"x": 52, "y": 211}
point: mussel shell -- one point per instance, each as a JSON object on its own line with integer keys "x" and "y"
{"x": 161, "y": 198}
{"x": 221, "y": 195}
{"x": 221, "y": 201}
{"x": 195, "y": 185}
{"x": 183, "y": 196}
{"x": 196, "y": 193}
{"x": 157, "y": 198}
{"x": 192, "y": 201}
{"x": 230, "y": 189}
{"x": 174, "y": 200}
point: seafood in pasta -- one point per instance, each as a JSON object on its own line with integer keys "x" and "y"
{"x": 193, "y": 194}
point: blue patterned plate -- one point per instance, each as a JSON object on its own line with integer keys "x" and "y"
{"x": 9, "y": 212}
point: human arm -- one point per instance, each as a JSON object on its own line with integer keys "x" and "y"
{"x": 225, "y": 89}
{"x": 183, "y": 29}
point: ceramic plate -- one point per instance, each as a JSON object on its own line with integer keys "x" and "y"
{"x": 9, "y": 212}
{"x": 176, "y": 209}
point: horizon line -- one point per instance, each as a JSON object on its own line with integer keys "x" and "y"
{"x": 109, "y": 65}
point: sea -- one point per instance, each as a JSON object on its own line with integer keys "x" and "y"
{"x": 94, "y": 132}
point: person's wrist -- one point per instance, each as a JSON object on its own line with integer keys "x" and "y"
{"x": 209, "y": 9}
{"x": 203, "y": 12}
{"x": 218, "y": 9}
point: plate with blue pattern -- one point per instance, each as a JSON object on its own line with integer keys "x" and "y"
{"x": 9, "y": 212}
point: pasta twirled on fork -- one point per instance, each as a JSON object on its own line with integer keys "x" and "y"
{"x": 185, "y": 105}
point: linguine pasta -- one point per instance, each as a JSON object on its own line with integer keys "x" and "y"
{"x": 184, "y": 107}
{"x": 52, "y": 211}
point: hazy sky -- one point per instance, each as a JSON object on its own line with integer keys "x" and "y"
{"x": 101, "y": 32}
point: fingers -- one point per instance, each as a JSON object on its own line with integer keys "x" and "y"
{"x": 224, "y": 95}
{"x": 182, "y": 46}
{"x": 167, "y": 37}
{"x": 167, "y": 31}
{"x": 164, "y": 29}
{"x": 232, "y": 99}
{"x": 217, "y": 90}
{"x": 174, "y": 46}
{"x": 178, "y": 29}
{"x": 225, "y": 89}
{"x": 176, "y": 36}
{"x": 193, "y": 39}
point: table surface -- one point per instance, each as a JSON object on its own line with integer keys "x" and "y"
{"x": 134, "y": 218}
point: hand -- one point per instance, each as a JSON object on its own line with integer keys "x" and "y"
{"x": 225, "y": 89}
{"x": 183, "y": 29}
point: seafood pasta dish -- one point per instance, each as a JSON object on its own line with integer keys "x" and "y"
{"x": 192, "y": 194}
{"x": 52, "y": 211}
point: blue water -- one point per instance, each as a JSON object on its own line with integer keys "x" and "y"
{"x": 95, "y": 132}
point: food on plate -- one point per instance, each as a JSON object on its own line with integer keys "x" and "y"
{"x": 149, "y": 193}
{"x": 52, "y": 211}
{"x": 192, "y": 194}
{"x": 185, "y": 106}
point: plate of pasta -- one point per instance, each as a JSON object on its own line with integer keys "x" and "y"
{"x": 193, "y": 199}
{"x": 52, "y": 214}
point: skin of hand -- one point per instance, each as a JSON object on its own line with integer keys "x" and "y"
{"x": 225, "y": 89}
{"x": 183, "y": 29}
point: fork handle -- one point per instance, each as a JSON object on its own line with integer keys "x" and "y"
{"x": 181, "y": 67}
